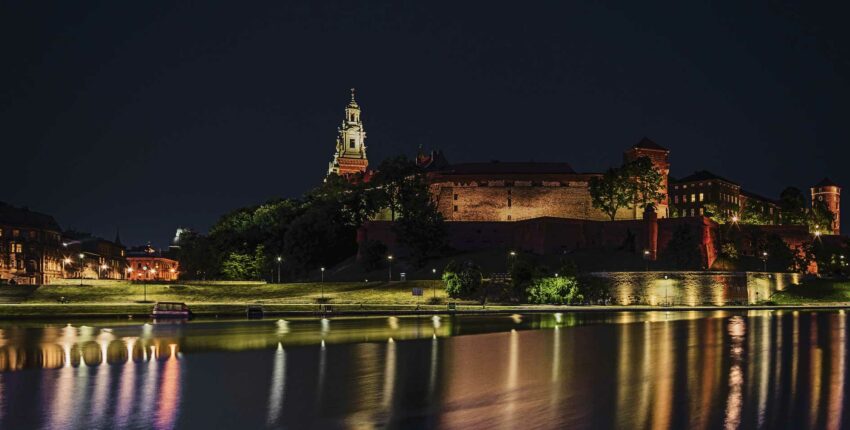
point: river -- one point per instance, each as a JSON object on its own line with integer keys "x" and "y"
{"x": 699, "y": 370}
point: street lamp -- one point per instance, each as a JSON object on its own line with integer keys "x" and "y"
{"x": 764, "y": 260}
{"x": 646, "y": 260}
{"x": 279, "y": 260}
{"x": 511, "y": 255}
{"x": 103, "y": 268}
{"x": 145, "y": 282}
{"x": 323, "y": 283}
{"x": 434, "y": 287}
{"x": 82, "y": 256}
{"x": 130, "y": 273}
{"x": 390, "y": 259}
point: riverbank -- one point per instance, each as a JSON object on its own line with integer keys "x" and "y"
{"x": 123, "y": 300}
{"x": 229, "y": 310}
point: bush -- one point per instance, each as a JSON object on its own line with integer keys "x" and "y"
{"x": 558, "y": 291}
{"x": 462, "y": 280}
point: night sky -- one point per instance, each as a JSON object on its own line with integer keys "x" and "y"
{"x": 151, "y": 116}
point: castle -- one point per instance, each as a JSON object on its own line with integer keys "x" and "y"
{"x": 513, "y": 203}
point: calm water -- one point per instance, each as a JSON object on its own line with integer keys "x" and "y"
{"x": 696, "y": 370}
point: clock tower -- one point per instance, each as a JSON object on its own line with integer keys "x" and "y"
{"x": 350, "y": 154}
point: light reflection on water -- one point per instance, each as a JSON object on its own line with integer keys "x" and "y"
{"x": 701, "y": 370}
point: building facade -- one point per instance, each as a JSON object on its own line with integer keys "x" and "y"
{"x": 829, "y": 193}
{"x": 511, "y": 191}
{"x": 101, "y": 258}
{"x": 691, "y": 195}
{"x": 147, "y": 264}
{"x": 30, "y": 247}
{"x": 350, "y": 154}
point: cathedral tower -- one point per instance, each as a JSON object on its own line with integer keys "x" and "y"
{"x": 660, "y": 157}
{"x": 350, "y": 155}
{"x": 830, "y": 193}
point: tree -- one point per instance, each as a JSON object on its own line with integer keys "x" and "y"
{"x": 683, "y": 250}
{"x": 610, "y": 192}
{"x": 319, "y": 237}
{"x": 391, "y": 176}
{"x": 820, "y": 218}
{"x": 780, "y": 256}
{"x": 644, "y": 182}
{"x": 420, "y": 225}
{"x": 792, "y": 206}
{"x": 557, "y": 291}
{"x": 462, "y": 280}
{"x": 372, "y": 254}
{"x": 754, "y": 214}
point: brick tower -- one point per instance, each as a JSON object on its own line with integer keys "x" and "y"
{"x": 350, "y": 155}
{"x": 660, "y": 159}
{"x": 830, "y": 193}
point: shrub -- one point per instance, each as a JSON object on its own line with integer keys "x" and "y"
{"x": 462, "y": 280}
{"x": 558, "y": 291}
{"x": 373, "y": 254}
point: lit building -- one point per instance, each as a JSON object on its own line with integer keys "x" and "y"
{"x": 691, "y": 194}
{"x": 147, "y": 264}
{"x": 350, "y": 154}
{"x": 102, "y": 259}
{"x": 30, "y": 246}
{"x": 830, "y": 193}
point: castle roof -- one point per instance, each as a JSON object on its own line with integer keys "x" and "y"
{"x": 826, "y": 182}
{"x": 704, "y": 175}
{"x": 23, "y": 217}
{"x": 499, "y": 167}
{"x": 754, "y": 196}
{"x": 647, "y": 143}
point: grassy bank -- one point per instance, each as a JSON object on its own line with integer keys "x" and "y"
{"x": 815, "y": 291}
{"x": 121, "y": 292}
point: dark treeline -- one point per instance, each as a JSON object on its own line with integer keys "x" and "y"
{"x": 318, "y": 229}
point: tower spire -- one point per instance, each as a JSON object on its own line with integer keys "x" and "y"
{"x": 350, "y": 155}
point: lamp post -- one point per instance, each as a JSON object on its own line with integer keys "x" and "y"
{"x": 434, "y": 287}
{"x": 511, "y": 255}
{"x": 65, "y": 263}
{"x": 646, "y": 260}
{"x": 130, "y": 273}
{"x": 764, "y": 260}
{"x": 323, "y": 283}
{"x": 82, "y": 256}
{"x": 103, "y": 268}
{"x": 279, "y": 260}
{"x": 390, "y": 259}
{"x": 145, "y": 282}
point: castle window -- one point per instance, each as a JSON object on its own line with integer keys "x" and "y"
{"x": 16, "y": 232}
{"x": 509, "y": 202}
{"x": 692, "y": 211}
{"x": 455, "y": 209}
{"x": 693, "y": 198}
{"x": 676, "y": 199}
{"x": 455, "y": 196}
{"x": 1, "y": 232}
{"x": 701, "y": 197}
{"x": 351, "y": 143}
{"x": 509, "y": 217}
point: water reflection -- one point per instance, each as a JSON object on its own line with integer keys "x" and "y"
{"x": 757, "y": 369}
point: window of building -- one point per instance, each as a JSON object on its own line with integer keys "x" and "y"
{"x": 701, "y": 197}
{"x": 1, "y": 232}
{"x": 33, "y": 233}
{"x": 509, "y": 202}
{"x": 455, "y": 209}
{"x": 692, "y": 211}
{"x": 693, "y": 197}
{"x": 18, "y": 248}
{"x": 509, "y": 217}
{"x": 676, "y": 199}
{"x": 351, "y": 143}
{"x": 455, "y": 197}
{"x": 16, "y": 233}
{"x": 701, "y": 211}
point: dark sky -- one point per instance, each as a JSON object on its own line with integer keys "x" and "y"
{"x": 148, "y": 116}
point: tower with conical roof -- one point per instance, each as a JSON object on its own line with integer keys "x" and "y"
{"x": 350, "y": 154}
{"x": 829, "y": 193}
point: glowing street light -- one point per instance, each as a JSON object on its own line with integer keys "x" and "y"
{"x": 434, "y": 285}
{"x": 103, "y": 268}
{"x": 145, "y": 281}
{"x": 764, "y": 260}
{"x": 390, "y": 259}
{"x": 646, "y": 260}
{"x": 323, "y": 282}
{"x": 82, "y": 256}
{"x": 279, "y": 261}
{"x": 734, "y": 218}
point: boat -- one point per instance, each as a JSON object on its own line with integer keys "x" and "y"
{"x": 171, "y": 310}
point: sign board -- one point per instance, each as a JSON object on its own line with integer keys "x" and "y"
{"x": 403, "y": 276}
{"x": 417, "y": 291}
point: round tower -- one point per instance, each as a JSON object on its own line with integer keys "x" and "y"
{"x": 829, "y": 193}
